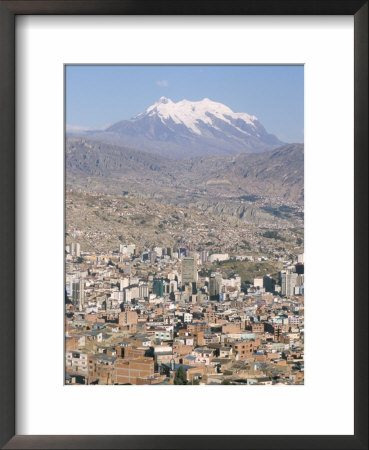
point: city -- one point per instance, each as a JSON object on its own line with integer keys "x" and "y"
{"x": 184, "y": 225}
{"x": 154, "y": 316}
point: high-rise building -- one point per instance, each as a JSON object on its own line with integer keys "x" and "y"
{"x": 215, "y": 284}
{"x": 158, "y": 288}
{"x": 74, "y": 249}
{"x": 204, "y": 255}
{"x": 123, "y": 282}
{"x": 152, "y": 257}
{"x": 194, "y": 287}
{"x": 78, "y": 293}
{"x": 268, "y": 283}
{"x": 127, "y": 295}
{"x": 189, "y": 269}
{"x": 173, "y": 286}
{"x": 143, "y": 290}
{"x": 288, "y": 282}
{"x": 300, "y": 280}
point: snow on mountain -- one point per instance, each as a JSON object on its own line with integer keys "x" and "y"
{"x": 190, "y": 113}
{"x": 190, "y": 129}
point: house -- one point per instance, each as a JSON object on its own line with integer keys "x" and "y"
{"x": 76, "y": 362}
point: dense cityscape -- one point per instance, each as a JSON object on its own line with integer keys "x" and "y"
{"x": 160, "y": 315}
{"x": 184, "y": 229}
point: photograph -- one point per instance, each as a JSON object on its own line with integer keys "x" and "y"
{"x": 184, "y": 225}
{"x": 158, "y": 151}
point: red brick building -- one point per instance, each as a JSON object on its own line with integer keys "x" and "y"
{"x": 243, "y": 349}
{"x": 131, "y": 370}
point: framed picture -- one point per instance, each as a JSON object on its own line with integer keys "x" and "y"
{"x": 176, "y": 179}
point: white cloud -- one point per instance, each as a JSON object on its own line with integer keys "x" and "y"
{"x": 76, "y": 128}
{"x": 81, "y": 129}
{"x": 162, "y": 83}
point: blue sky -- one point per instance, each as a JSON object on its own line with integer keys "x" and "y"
{"x": 97, "y": 96}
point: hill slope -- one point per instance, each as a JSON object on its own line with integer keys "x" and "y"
{"x": 250, "y": 186}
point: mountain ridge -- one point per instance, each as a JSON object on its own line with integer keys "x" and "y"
{"x": 189, "y": 129}
{"x": 248, "y": 186}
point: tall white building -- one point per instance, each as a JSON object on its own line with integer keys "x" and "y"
{"x": 143, "y": 290}
{"x": 204, "y": 255}
{"x": 189, "y": 269}
{"x": 74, "y": 249}
{"x": 288, "y": 283}
{"x": 173, "y": 286}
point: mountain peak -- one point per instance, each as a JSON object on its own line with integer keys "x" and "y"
{"x": 195, "y": 114}
{"x": 192, "y": 128}
{"x": 164, "y": 100}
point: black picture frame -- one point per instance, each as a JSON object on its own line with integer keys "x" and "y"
{"x": 8, "y": 11}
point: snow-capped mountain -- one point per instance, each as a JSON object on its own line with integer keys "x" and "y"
{"x": 189, "y": 129}
{"x": 194, "y": 115}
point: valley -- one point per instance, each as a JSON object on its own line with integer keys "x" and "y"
{"x": 265, "y": 188}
